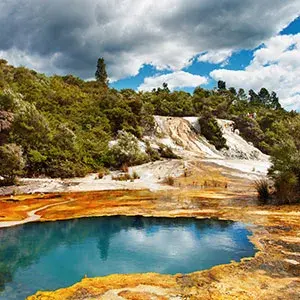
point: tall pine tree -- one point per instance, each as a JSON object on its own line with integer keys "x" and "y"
{"x": 101, "y": 75}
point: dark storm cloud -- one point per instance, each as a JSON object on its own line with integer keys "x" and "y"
{"x": 69, "y": 35}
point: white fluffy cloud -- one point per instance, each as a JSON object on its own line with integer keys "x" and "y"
{"x": 33, "y": 61}
{"x": 215, "y": 57}
{"x": 275, "y": 66}
{"x": 179, "y": 79}
{"x": 67, "y": 36}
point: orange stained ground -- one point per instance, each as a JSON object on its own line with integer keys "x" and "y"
{"x": 273, "y": 273}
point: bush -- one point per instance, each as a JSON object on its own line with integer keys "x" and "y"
{"x": 122, "y": 177}
{"x": 250, "y": 131}
{"x": 169, "y": 180}
{"x": 12, "y": 163}
{"x": 135, "y": 175}
{"x": 285, "y": 169}
{"x": 67, "y": 169}
{"x": 286, "y": 188}
{"x": 167, "y": 152}
{"x": 127, "y": 151}
{"x": 152, "y": 153}
{"x": 126, "y": 176}
{"x": 262, "y": 188}
{"x": 102, "y": 172}
{"x": 211, "y": 130}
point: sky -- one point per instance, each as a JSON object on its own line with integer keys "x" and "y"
{"x": 185, "y": 43}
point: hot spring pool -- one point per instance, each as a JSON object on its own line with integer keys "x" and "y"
{"x": 51, "y": 255}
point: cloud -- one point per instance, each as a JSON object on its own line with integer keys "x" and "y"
{"x": 34, "y": 61}
{"x": 67, "y": 36}
{"x": 215, "y": 57}
{"x": 275, "y": 66}
{"x": 178, "y": 79}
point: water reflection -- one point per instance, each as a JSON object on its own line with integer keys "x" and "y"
{"x": 55, "y": 254}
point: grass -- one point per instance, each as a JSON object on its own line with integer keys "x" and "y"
{"x": 135, "y": 175}
{"x": 263, "y": 190}
{"x": 169, "y": 180}
{"x": 126, "y": 176}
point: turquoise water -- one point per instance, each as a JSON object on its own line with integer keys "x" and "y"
{"x": 48, "y": 256}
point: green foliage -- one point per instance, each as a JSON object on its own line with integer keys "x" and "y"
{"x": 64, "y": 124}
{"x": 211, "y": 130}
{"x": 242, "y": 95}
{"x": 6, "y": 101}
{"x": 12, "y": 163}
{"x": 135, "y": 175}
{"x": 221, "y": 85}
{"x": 262, "y": 188}
{"x": 126, "y": 176}
{"x": 167, "y": 152}
{"x": 122, "y": 177}
{"x": 286, "y": 185}
{"x": 127, "y": 151}
{"x": 6, "y": 120}
{"x": 285, "y": 157}
{"x": 101, "y": 75}
{"x": 147, "y": 120}
{"x": 152, "y": 153}
{"x": 30, "y": 128}
{"x": 249, "y": 129}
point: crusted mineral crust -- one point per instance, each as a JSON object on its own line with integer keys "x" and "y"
{"x": 273, "y": 273}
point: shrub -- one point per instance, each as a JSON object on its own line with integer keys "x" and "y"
{"x": 169, "y": 180}
{"x": 67, "y": 169}
{"x": 122, "y": 177}
{"x": 286, "y": 188}
{"x": 102, "y": 172}
{"x": 262, "y": 188}
{"x": 12, "y": 163}
{"x": 126, "y": 176}
{"x": 127, "y": 151}
{"x": 285, "y": 157}
{"x": 135, "y": 175}
{"x": 167, "y": 152}
{"x": 250, "y": 131}
{"x": 211, "y": 130}
{"x": 152, "y": 153}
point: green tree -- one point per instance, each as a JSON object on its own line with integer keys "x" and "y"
{"x": 274, "y": 101}
{"x": 253, "y": 98}
{"x": 12, "y": 163}
{"x": 30, "y": 127}
{"x": 249, "y": 129}
{"x": 221, "y": 85}
{"x": 211, "y": 130}
{"x": 264, "y": 97}
{"x": 165, "y": 87}
{"x": 285, "y": 157}
{"x": 242, "y": 95}
{"x": 232, "y": 90}
{"x": 6, "y": 120}
{"x": 101, "y": 75}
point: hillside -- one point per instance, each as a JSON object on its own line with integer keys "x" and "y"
{"x": 183, "y": 136}
{"x": 62, "y": 126}
{"x": 195, "y": 156}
